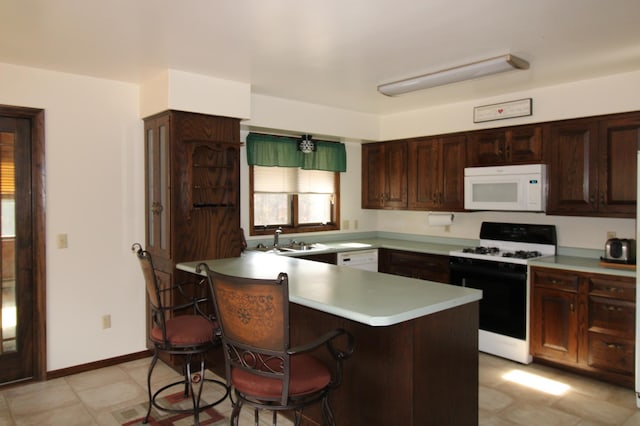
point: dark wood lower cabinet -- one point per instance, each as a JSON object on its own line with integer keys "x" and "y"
{"x": 585, "y": 322}
{"x": 424, "y": 266}
{"x": 419, "y": 372}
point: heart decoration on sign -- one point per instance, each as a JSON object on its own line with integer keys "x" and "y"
{"x": 500, "y": 110}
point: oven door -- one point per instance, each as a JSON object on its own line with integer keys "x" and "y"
{"x": 504, "y": 293}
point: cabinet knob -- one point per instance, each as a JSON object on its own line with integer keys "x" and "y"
{"x": 156, "y": 208}
{"x": 612, "y": 308}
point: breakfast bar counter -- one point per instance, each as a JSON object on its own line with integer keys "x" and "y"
{"x": 416, "y": 353}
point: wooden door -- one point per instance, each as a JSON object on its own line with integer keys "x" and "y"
{"x": 22, "y": 351}
{"x": 573, "y": 180}
{"x": 619, "y": 142}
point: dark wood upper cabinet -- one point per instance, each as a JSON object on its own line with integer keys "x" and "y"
{"x": 593, "y": 164}
{"x": 573, "y": 177}
{"x": 617, "y": 159}
{"x": 436, "y": 173}
{"x": 384, "y": 175}
{"x": 499, "y": 147}
{"x": 192, "y": 192}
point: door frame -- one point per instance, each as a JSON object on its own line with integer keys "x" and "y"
{"x": 36, "y": 117}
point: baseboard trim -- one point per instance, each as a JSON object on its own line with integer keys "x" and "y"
{"x": 97, "y": 364}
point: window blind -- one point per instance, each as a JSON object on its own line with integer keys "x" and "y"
{"x": 292, "y": 180}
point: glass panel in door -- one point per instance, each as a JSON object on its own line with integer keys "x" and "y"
{"x": 8, "y": 321}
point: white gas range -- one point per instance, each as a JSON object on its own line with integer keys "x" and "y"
{"x": 498, "y": 267}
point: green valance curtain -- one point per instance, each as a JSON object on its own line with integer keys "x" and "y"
{"x": 269, "y": 150}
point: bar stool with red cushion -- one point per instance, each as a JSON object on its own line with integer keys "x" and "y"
{"x": 264, "y": 371}
{"x": 187, "y": 334}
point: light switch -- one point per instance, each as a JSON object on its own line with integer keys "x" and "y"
{"x": 62, "y": 241}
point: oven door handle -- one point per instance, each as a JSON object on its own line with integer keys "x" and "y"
{"x": 469, "y": 270}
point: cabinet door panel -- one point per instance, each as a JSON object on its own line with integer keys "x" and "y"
{"x": 524, "y": 145}
{"x": 619, "y": 143}
{"x": 452, "y": 181}
{"x": 395, "y": 158}
{"x": 158, "y": 186}
{"x": 384, "y": 175}
{"x": 372, "y": 176}
{"x": 424, "y": 173}
{"x": 572, "y": 176}
{"x": 554, "y": 325}
{"x": 486, "y": 148}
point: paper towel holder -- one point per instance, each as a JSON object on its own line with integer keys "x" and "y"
{"x": 440, "y": 218}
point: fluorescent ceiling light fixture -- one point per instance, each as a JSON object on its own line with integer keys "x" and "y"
{"x": 455, "y": 74}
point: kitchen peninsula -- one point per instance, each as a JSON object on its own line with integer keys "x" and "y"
{"x": 416, "y": 353}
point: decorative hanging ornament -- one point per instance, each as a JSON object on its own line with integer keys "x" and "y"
{"x": 306, "y": 145}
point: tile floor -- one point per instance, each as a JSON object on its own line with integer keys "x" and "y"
{"x": 90, "y": 398}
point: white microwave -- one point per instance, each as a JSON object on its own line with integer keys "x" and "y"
{"x": 513, "y": 188}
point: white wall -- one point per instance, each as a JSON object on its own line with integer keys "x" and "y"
{"x": 611, "y": 94}
{"x": 94, "y": 184}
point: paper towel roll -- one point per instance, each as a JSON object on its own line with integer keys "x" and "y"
{"x": 440, "y": 219}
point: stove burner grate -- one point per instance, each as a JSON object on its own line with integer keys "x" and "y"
{"x": 481, "y": 250}
{"x": 523, "y": 254}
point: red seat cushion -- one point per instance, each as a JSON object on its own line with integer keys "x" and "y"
{"x": 307, "y": 375}
{"x": 185, "y": 330}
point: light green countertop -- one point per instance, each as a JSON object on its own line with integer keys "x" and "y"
{"x": 580, "y": 264}
{"x": 370, "y": 298}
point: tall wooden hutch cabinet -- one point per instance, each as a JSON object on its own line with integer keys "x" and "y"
{"x": 192, "y": 166}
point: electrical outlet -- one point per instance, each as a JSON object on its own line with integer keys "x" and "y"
{"x": 355, "y": 224}
{"x": 611, "y": 234}
{"x": 106, "y": 321}
{"x": 345, "y": 224}
{"x": 62, "y": 241}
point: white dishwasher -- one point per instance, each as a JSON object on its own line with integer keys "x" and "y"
{"x": 360, "y": 259}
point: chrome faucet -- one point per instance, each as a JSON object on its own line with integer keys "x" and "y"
{"x": 276, "y": 236}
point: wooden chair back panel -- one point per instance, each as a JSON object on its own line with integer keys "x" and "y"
{"x": 253, "y": 312}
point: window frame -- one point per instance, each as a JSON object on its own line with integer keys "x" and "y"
{"x": 295, "y": 227}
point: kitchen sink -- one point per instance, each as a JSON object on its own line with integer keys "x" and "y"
{"x": 291, "y": 248}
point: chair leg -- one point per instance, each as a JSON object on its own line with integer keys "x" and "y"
{"x": 327, "y": 413}
{"x": 154, "y": 360}
{"x": 235, "y": 414}
{"x": 194, "y": 401}
{"x": 186, "y": 370}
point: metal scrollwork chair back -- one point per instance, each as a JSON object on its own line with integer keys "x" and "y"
{"x": 183, "y": 329}
{"x": 262, "y": 368}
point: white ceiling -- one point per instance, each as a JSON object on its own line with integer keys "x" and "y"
{"x": 328, "y": 52}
